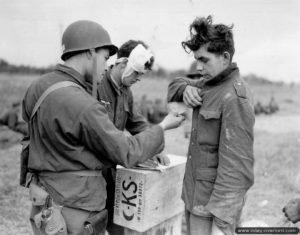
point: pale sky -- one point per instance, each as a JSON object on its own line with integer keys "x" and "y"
{"x": 266, "y": 32}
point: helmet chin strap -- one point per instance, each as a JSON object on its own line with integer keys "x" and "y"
{"x": 95, "y": 75}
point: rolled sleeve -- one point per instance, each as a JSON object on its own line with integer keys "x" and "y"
{"x": 235, "y": 169}
{"x": 178, "y": 85}
{"x": 176, "y": 89}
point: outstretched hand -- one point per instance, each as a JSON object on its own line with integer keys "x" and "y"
{"x": 292, "y": 210}
{"x": 172, "y": 120}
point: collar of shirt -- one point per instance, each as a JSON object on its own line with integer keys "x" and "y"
{"x": 75, "y": 75}
{"x": 223, "y": 76}
{"x": 118, "y": 89}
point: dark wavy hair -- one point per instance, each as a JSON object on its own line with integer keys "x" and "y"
{"x": 127, "y": 47}
{"x": 203, "y": 31}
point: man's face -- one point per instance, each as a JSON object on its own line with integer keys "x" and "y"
{"x": 209, "y": 64}
{"x": 102, "y": 57}
{"x": 132, "y": 78}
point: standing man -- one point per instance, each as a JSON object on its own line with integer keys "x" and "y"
{"x": 72, "y": 138}
{"x": 219, "y": 170}
{"x": 134, "y": 59}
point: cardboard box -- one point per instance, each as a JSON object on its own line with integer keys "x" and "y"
{"x": 145, "y": 198}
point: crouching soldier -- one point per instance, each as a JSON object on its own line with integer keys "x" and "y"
{"x": 72, "y": 138}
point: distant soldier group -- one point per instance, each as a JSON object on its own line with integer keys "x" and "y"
{"x": 12, "y": 119}
{"x": 155, "y": 111}
{"x": 270, "y": 108}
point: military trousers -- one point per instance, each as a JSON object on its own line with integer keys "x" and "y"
{"x": 200, "y": 225}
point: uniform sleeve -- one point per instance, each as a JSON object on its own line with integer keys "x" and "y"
{"x": 136, "y": 122}
{"x": 101, "y": 136}
{"x": 177, "y": 87}
{"x": 235, "y": 169}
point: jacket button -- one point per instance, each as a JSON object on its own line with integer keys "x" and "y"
{"x": 190, "y": 157}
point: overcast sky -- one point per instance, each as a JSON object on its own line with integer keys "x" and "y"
{"x": 267, "y": 32}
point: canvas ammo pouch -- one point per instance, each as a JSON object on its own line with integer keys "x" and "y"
{"x": 50, "y": 218}
{"x": 96, "y": 224}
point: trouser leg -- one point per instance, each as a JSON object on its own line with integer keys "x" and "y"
{"x": 75, "y": 219}
{"x": 198, "y": 225}
{"x": 221, "y": 227}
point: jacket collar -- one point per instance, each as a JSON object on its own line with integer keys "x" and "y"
{"x": 75, "y": 76}
{"x": 117, "y": 88}
{"x": 223, "y": 76}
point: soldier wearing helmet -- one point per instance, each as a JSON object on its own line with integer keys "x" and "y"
{"x": 72, "y": 138}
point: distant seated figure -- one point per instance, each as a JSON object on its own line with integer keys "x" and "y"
{"x": 146, "y": 107}
{"x": 13, "y": 120}
{"x": 273, "y": 105}
{"x": 292, "y": 210}
{"x": 258, "y": 108}
{"x": 159, "y": 112}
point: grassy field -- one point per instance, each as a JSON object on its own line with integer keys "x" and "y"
{"x": 277, "y": 148}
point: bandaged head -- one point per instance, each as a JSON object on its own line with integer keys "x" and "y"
{"x": 140, "y": 60}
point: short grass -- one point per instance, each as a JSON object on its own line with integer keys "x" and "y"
{"x": 277, "y": 177}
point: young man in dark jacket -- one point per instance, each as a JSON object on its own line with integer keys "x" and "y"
{"x": 219, "y": 170}
{"x": 72, "y": 138}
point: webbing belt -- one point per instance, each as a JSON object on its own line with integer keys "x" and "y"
{"x": 78, "y": 173}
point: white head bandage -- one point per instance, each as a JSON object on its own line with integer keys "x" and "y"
{"x": 137, "y": 59}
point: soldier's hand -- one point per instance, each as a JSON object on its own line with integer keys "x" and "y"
{"x": 172, "y": 120}
{"x": 191, "y": 96}
{"x": 162, "y": 159}
{"x": 292, "y": 210}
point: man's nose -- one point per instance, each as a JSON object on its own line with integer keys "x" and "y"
{"x": 199, "y": 66}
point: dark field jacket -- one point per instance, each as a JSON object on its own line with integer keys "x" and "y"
{"x": 219, "y": 168}
{"x": 120, "y": 106}
{"x": 71, "y": 131}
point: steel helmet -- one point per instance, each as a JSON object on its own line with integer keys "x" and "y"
{"x": 84, "y": 35}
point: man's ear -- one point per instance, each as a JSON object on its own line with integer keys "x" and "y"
{"x": 89, "y": 53}
{"x": 227, "y": 58}
{"x": 123, "y": 64}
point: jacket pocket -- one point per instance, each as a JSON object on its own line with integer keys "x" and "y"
{"x": 204, "y": 184}
{"x": 210, "y": 114}
{"x": 209, "y": 124}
